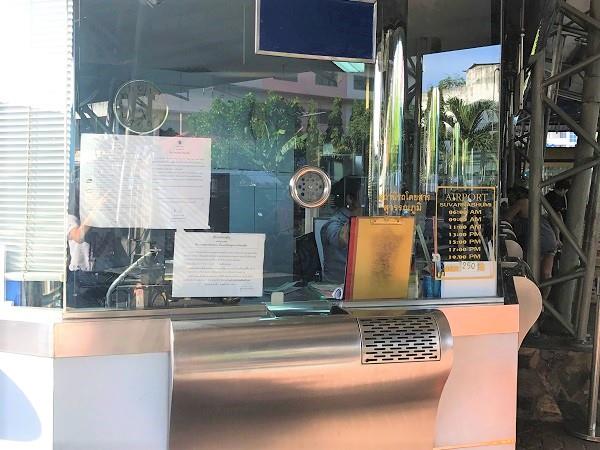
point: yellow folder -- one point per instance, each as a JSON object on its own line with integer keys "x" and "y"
{"x": 379, "y": 258}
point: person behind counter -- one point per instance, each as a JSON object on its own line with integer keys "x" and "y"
{"x": 335, "y": 233}
{"x": 95, "y": 255}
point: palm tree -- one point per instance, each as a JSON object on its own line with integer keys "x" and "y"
{"x": 471, "y": 128}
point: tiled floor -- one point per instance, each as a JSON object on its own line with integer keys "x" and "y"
{"x": 548, "y": 436}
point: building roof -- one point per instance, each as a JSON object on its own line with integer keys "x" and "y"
{"x": 483, "y": 64}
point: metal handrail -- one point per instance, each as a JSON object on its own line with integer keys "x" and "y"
{"x": 121, "y": 277}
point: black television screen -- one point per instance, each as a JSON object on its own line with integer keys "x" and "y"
{"x": 328, "y": 29}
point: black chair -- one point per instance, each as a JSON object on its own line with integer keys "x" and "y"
{"x": 308, "y": 266}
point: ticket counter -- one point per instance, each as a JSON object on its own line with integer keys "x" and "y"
{"x": 232, "y": 242}
{"x": 292, "y": 381}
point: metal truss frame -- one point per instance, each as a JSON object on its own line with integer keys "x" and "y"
{"x": 530, "y": 134}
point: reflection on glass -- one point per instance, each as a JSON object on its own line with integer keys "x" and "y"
{"x": 461, "y": 102}
{"x": 265, "y": 118}
{"x": 394, "y": 130}
{"x": 457, "y": 131}
{"x": 424, "y": 115}
{"x": 431, "y": 142}
{"x": 388, "y": 123}
{"x": 335, "y": 233}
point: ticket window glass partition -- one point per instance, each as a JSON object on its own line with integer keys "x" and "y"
{"x": 186, "y": 143}
{"x": 435, "y": 145}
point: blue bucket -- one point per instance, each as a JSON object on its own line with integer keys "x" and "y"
{"x": 13, "y": 292}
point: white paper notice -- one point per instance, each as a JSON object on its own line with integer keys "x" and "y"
{"x": 218, "y": 264}
{"x": 145, "y": 181}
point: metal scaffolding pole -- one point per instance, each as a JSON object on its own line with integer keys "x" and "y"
{"x": 569, "y": 173}
{"x": 564, "y": 230}
{"x": 510, "y": 160}
{"x": 578, "y": 260}
{"x": 591, "y": 246}
{"x": 588, "y": 187}
{"x": 580, "y": 188}
{"x": 556, "y": 280}
{"x": 536, "y": 163}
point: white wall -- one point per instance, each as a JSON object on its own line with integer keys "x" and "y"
{"x": 478, "y": 404}
{"x": 112, "y": 402}
{"x": 26, "y": 402}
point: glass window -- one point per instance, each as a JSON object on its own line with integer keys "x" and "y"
{"x": 323, "y": 116}
{"x": 183, "y": 156}
{"x": 194, "y": 145}
{"x": 180, "y": 178}
{"x": 436, "y": 138}
{"x": 287, "y": 77}
{"x": 326, "y": 79}
{"x": 360, "y": 82}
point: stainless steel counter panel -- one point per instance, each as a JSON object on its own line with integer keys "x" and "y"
{"x": 300, "y": 383}
{"x": 254, "y": 343}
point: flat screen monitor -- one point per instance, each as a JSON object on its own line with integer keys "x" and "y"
{"x": 342, "y": 30}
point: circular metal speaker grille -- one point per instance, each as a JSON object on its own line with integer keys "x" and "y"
{"x": 310, "y": 187}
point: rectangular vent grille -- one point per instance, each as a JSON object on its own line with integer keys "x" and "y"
{"x": 399, "y": 339}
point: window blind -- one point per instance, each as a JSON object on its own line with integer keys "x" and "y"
{"x": 36, "y": 93}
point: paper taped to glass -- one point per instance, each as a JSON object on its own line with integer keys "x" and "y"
{"x": 218, "y": 264}
{"x": 145, "y": 181}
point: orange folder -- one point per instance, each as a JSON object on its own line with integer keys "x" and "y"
{"x": 379, "y": 258}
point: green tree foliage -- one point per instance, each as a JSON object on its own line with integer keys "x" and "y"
{"x": 451, "y": 82}
{"x": 313, "y": 137}
{"x": 255, "y": 134}
{"x": 249, "y": 133}
{"x": 335, "y": 127}
{"x": 477, "y": 120}
{"x": 308, "y": 141}
{"x": 356, "y": 139}
{"x": 359, "y": 129}
{"x": 473, "y": 128}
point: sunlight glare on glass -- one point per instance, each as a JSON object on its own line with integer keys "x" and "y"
{"x": 350, "y": 67}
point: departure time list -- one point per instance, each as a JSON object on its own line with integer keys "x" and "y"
{"x": 465, "y": 217}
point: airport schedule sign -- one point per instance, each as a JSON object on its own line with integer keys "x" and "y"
{"x": 465, "y": 223}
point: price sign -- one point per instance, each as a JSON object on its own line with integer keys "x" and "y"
{"x": 469, "y": 266}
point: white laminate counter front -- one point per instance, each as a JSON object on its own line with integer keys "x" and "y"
{"x": 103, "y": 380}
